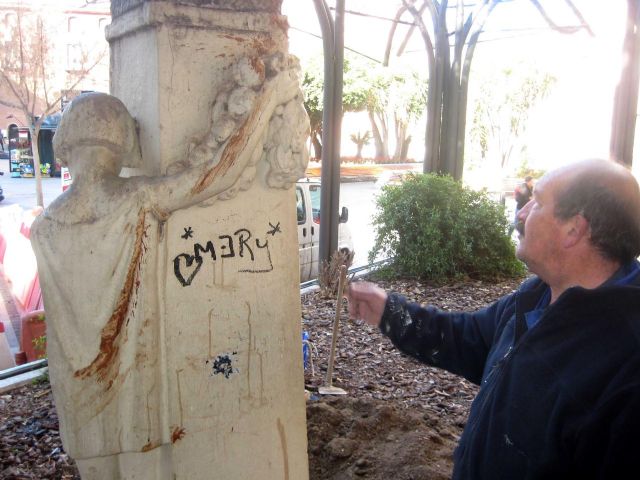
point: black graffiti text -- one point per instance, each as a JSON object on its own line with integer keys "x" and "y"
{"x": 240, "y": 245}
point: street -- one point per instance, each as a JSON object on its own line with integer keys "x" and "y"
{"x": 360, "y": 198}
{"x": 22, "y": 191}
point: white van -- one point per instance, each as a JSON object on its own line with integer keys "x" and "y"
{"x": 308, "y": 206}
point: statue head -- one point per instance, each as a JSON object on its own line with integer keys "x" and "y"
{"x": 97, "y": 119}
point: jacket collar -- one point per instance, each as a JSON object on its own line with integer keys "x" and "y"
{"x": 533, "y": 289}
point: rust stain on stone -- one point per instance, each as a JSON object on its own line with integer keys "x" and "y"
{"x": 236, "y": 143}
{"x": 104, "y": 365}
{"x": 150, "y": 446}
{"x": 258, "y": 67}
{"x": 264, "y": 45}
{"x": 233, "y": 37}
{"x": 283, "y": 445}
{"x": 280, "y": 22}
{"x": 177, "y": 434}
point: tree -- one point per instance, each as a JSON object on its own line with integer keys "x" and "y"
{"x": 392, "y": 98}
{"x": 449, "y": 66}
{"x": 312, "y": 87}
{"x": 502, "y": 110}
{"x": 360, "y": 139}
{"x": 376, "y": 106}
{"x": 397, "y": 98}
{"x": 626, "y": 97}
{"x": 354, "y": 93}
{"x": 36, "y": 85}
{"x": 409, "y": 101}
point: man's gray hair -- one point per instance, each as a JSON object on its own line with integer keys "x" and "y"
{"x": 615, "y": 228}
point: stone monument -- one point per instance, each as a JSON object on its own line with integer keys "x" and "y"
{"x": 172, "y": 295}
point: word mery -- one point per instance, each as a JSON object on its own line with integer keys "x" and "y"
{"x": 253, "y": 253}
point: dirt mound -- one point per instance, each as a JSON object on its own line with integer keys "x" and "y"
{"x": 365, "y": 438}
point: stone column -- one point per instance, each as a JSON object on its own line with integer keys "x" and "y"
{"x": 228, "y": 285}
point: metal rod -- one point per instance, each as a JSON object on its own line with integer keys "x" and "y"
{"x": 333, "y": 45}
{"x": 20, "y": 369}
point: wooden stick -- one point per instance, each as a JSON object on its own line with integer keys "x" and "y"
{"x": 336, "y": 323}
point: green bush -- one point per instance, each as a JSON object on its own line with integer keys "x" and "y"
{"x": 434, "y": 228}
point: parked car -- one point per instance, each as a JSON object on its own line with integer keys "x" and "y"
{"x": 308, "y": 207}
{"x": 1, "y": 191}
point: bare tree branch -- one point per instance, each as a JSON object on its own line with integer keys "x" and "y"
{"x": 409, "y": 33}
{"x": 424, "y": 32}
{"x": 392, "y": 32}
{"x": 555, "y": 26}
{"x": 9, "y": 104}
{"x": 578, "y": 14}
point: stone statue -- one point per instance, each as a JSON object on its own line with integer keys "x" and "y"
{"x": 96, "y": 246}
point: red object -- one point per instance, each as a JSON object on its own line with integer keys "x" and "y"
{"x": 33, "y": 297}
{"x": 25, "y": 230}
{"x": 20, "y": 358}
{"x": 33, "y": 327}
{"x": 1, "y": 327}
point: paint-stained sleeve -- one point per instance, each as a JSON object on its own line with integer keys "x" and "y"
{"x": 457, "y": 342}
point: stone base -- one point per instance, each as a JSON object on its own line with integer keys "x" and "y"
{"x": 155, "y": 464}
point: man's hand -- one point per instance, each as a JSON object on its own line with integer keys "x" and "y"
{"x": 366, "y": 302}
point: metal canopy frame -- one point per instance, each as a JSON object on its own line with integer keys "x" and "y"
{"x": 333, "y": 46}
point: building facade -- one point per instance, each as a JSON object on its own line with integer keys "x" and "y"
{"x": 75, "y": 59}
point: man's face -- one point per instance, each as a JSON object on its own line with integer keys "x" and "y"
{"x": 540, "y": 231}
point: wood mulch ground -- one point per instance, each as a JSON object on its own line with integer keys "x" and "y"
{"x": 399, "y": 420}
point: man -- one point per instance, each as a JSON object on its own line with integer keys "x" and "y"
{"x": 523, "y": 193}
{"x": 558, "y": 361}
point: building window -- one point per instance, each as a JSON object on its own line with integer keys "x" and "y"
{"x": 74, "y": 56}
{"x": 72, "y": 24}
{"x": 10, "y": 23}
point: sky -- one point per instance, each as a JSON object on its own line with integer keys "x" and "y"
{"x": 574, "y": 122}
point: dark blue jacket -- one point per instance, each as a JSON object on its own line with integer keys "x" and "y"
{"x": 558, "y": 401}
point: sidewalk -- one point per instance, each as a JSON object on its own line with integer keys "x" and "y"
{"x": 366, "y": 172}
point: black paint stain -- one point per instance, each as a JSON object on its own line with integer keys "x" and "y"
{"x": 227, "y": 246}
{"x": 188, "y": 233}
{"x": 199, "y": 249}
{"x": 260, "y": 270}
{"x": 242, "y": 240}
{"x": 189, "y": 259}
{"x": 222, "y": 365}
{"x": 274, "y": 229}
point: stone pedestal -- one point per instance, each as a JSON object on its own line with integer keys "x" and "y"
{"x": 230, "y": 387}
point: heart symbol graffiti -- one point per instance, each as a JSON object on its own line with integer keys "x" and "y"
{"x": 185, "y": 282}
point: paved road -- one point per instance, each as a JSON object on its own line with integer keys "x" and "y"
{"x": 22, "y": 191}
{"x": 360, "y": 199}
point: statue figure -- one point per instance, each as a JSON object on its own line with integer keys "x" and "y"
{"x": 97, "y": 246}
